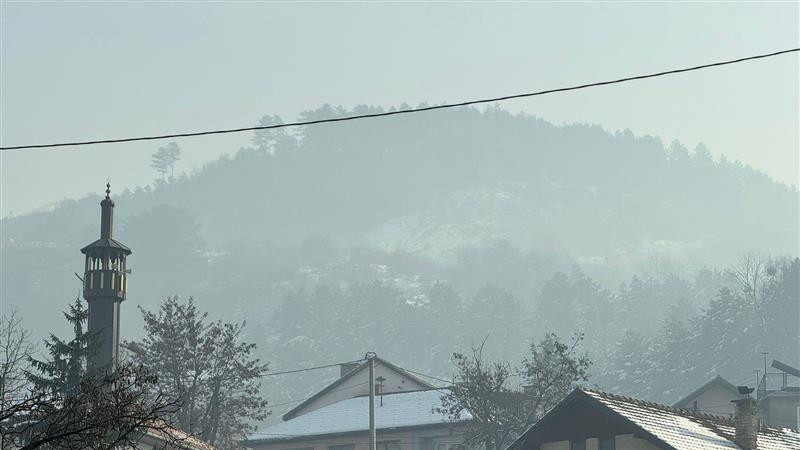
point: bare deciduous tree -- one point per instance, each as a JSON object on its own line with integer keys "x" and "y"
{"x": 750, "y": 274}
{"x": 16, "y": 350}
{"x": 58, "y": 404}
{"x": 755, "y": 274}
{"x": 109, "y": 412}
{"x": 498, "y": 412}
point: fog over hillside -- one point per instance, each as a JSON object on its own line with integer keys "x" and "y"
{"x": 454, "y": 210}
{"x": 399, "y": 225}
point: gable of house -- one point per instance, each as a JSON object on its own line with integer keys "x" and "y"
{"x": 713, "y": 397}
{"x": 355, "y": 383}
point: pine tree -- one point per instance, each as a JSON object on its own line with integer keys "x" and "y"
{"x": 67, "y": 365}
{"x": 165, "y": 158}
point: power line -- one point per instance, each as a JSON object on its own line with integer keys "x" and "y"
{"x": 304, "y": 399}
{"x": 272, "y": 374}
{"x": 388, "y": 441}
{"x": 404, "y": 111}
{"x": 427, "y": 376}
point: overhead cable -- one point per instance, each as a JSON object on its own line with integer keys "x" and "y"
{"x": 272, "y": 374}
{"x": 402, "y": 111}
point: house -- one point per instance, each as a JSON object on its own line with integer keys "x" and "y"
{"x": 778, "y": 397}
{"x": 589, "y": 419}
{"x": 353, "y": 381}
{"x": 337, "y": 417}
{"x": 714, "y": 397}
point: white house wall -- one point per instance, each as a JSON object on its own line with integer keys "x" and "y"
{"x": 358, "y": 384}
{"x": 715, "y": 400}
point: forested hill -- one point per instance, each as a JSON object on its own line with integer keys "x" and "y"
{"x": 463, "y": 175}
{"x": 435, "y": 187}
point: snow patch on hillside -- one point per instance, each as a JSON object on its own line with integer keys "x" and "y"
{"x": 469, "y": 218}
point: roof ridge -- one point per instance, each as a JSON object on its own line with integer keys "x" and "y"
{"x": 661, "y": 406}
{"x": 720, "y": 420}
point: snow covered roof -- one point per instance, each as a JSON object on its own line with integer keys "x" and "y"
{"x": 665, "y": 426}
{"x": 161, "y": 435}
{"x": 682, "y": 429}
{"x": 399, "y": 410}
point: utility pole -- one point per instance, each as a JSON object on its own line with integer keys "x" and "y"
{"x": 373, "y": 442}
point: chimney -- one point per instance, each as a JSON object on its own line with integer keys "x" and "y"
{"x": 746, "y": 420}
{"x": 346, "y": 368}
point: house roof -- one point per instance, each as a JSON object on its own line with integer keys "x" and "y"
{"x": 665, "y": 426}
{"x": 161, "y": 433}
{"x": 399, "y": 410}
{"x": 362, "y": 366}
{"x": 716, "y": 381}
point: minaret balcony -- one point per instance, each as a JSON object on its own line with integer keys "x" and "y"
{"x": 105, "y": 283}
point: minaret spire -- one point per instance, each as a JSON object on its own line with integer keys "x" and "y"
{"x": 107, "y": 215}
{"x": 105, "y": 286}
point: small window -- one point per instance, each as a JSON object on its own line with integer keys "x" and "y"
{"x": 389, "y": 445}
{"x": 607, "y": 444}
{"x": 449, "y": 445}
{"x": 577, "y": 445}
{"x": 342, "y": 447}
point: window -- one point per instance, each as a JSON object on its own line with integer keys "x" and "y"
{"x": 577, "y": 445}
{"x": 389, "y": 445}
{"x": 448, "y": 445}
{"x": 342, "y": 447}
{"x": 607, "y": 443}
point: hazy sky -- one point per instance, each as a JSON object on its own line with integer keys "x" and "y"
{"x": 104, "y": 70}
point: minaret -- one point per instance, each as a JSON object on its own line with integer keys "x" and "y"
{"x": 105, "y": 284}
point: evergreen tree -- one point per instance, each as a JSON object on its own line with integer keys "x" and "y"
{"x": 165, "y": 158}
{"x": 556, "y": 306}
{"x": 67, "y": 406}
{"x": 630, "y": 370}
{"x": 271, "y": 141}
{"x": 67, "y": 365}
